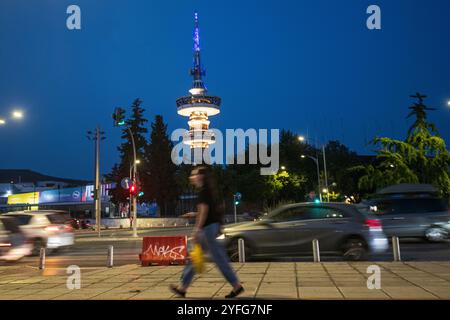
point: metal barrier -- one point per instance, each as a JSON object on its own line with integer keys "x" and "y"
{"x": 241, "y": 250}
{"x": 42, "y": 259}
{"x": 396, "y": 248}
{"x": 316, "y": 250}
{"x": 110, "y": 260}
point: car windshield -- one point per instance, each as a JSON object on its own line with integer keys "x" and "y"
{"x": 58, "y": 218}
{"x": 11, "y": 225}
{"x": 22, "y": 219}
{"x": 270, "y": 216}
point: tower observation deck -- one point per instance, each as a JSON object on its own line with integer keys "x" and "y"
{"x": 198, "y": 105}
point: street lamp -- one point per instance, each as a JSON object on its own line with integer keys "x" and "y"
{"x": 17, "y": 114}
{"x": 301, "y": 139}
{"x": 283, "y": 168}
{"x": 2, "y": 122}
{"x": 448, "y": 103}
{"x": 316, "y": 161}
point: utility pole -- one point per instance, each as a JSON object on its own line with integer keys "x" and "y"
{"x": 97, "y": 137}
{"x": 325, "y": 172}
{"x": 133, "y": 195}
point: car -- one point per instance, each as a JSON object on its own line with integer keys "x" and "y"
{"x": 13, "y": 242}
{"x": 46, "y": 228}
{"x": 409, "y": 216}
{"x": 289, "y": 231}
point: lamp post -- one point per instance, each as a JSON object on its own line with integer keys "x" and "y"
{"x": 302, "y": 139}
{"x": 316, "y": 161}
{"x": 119, "y": 121}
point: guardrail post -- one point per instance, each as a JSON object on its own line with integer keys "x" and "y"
{"x": 396, "y": 248}
{"x": 42, "y": 259}
{"x": 241, "y": 250}
{"x": 316, "y": 250}
{"x": 110, "y": 260}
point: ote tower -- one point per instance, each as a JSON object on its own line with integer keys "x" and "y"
{"x": 198, "y": 106}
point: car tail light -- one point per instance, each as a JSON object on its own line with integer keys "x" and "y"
{"x": 373, "y": 224}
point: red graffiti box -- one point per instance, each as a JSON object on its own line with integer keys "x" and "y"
{"x": 164, "y": 250}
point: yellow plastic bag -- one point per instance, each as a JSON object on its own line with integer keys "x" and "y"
{"x": 197, "y": 258}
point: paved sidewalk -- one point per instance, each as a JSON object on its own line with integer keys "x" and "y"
{"x": 276, "y": 280}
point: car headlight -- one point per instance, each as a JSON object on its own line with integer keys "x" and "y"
{"x": 221, "y": 237}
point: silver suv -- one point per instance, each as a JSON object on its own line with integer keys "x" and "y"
{"x": 412, "y": 216}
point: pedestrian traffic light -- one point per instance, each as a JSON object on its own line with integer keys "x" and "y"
{"x": 119, "y": 117}
{"x": 133, "y": 189}
{"x": 141, "y": 194}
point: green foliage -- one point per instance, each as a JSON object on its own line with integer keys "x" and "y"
{"x": 160, "y": 171}
{"x": 137, "y": 124}
{"x": 422, "y": 158}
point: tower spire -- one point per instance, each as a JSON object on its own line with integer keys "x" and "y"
{"x": 198, "y": 86}
{"x": 198, "y": 106}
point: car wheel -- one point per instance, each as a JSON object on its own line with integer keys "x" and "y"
{"x": 436, "y": 234}
{"x": 354, "y": 249}
{"x": 37, "y": 245}
{"x": 233, "y": 251}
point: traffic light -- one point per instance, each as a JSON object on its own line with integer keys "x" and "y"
{"x": 237, "y": 198}
{"x": 119, "y": 117}
{"x": 141, "y": 193}
{"x": 133, "y": 189}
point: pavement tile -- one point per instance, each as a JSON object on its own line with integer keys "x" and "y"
{"x": 362, "y": 293}
{"x": 325, "y": 293}
{"x": 408, "y": 293}
{"x": 441, "y": 292}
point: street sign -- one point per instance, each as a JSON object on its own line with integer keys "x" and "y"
{"x": 126, "y": 183}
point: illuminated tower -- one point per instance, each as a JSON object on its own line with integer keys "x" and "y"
{"x": 198, "y": 106}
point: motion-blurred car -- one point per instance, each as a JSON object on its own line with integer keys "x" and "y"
{"x": 412, "y": 216}
{"x": 49, "y": 229}
{"x": 13, "y": 243}
{"x": 290, "y": 230}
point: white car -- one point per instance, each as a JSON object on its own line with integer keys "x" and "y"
{"x": 13, "y": 243}
{"x": 49, "y": 229}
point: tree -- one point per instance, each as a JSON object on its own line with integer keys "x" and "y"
{"x": 136, "y": 123}
{"x": 421, "y": 158}
{"x": 160, "y": 179}
{"x": 339, "y": 159}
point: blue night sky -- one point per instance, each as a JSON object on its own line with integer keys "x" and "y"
{"x": 309, "y": 66}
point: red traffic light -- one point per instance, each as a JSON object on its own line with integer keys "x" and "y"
{"x": 133, "y": 188}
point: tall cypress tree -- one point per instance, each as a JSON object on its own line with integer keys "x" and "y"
{"x": 160, "y": 177}
{"x": 136, "y": 123}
